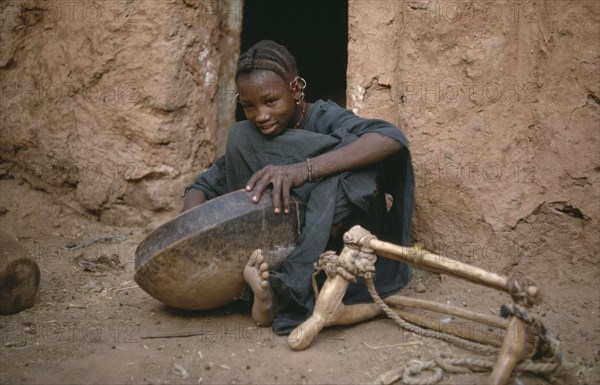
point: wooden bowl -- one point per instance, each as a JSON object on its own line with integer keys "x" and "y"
{"x": 196, "y": 260}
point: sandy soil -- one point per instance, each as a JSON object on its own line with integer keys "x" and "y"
{"x": 92, "y": 324}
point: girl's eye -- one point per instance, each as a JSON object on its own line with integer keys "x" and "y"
{"x": 270, "y": 102}
{"x": 246, "y": 106}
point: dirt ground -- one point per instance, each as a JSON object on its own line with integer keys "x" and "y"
{"x": 92, "y": 324}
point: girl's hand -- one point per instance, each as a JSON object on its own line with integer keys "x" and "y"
{"x": 283, "y": 178}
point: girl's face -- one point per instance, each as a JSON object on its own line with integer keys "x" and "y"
{"x": 267, "y": 101}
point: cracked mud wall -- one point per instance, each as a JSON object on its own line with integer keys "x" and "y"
{"x": 500, "y": 102}
{"x": 110, "y": 106}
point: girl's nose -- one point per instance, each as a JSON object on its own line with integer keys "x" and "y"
{"x": 262, "y": 116}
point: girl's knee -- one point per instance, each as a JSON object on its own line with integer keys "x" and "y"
{"x": 241, "y": 134}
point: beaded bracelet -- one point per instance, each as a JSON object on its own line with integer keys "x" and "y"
{"x": 309, "y": 170}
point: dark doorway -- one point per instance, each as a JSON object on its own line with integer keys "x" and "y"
{"x": 315, "y": 32}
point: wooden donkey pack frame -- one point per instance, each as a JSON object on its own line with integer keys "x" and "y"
{"x": 527, "y": 345}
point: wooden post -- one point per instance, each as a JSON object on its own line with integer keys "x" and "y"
{"x": 440, "y": 264}
{"x": 398, "y": 300}
{"x": 19, "y": 276}
{"x": 451, "y": 328}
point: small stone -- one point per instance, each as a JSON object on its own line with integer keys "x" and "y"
{"x": 3, "y": 210}
{"x": 420, "y": 288}
{"x": 181, "y": 371}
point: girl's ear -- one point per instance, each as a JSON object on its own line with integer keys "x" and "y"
{"x": 297, "y": 85}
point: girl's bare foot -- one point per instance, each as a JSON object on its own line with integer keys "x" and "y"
{"x": 256, "y": 275}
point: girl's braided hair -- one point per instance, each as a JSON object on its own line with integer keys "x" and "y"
{"x": 270, "y": 56}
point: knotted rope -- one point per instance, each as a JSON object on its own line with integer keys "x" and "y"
{"x": 354, "y": 261}
{"x": 422, "y": 331}
{"x": 523, "y": 291}
{"x": 442, "y": 363}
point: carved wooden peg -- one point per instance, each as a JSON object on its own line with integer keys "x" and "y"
{"x": 516, "y": 347}
{"x": 329, "y": 310}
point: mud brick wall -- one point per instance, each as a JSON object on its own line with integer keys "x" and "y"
{"x": 500, "y": 101}
{"x": 110, "y": 106}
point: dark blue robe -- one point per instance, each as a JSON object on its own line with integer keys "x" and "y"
{"x": 330, "y": 200}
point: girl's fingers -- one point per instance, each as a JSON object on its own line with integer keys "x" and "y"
{"x": 282, "y": 185}
{"x": 277, "y": 195}
{"x": 252, "y": 181}
{"x": 259, "y": 188}
{"x": 286, "y": 198}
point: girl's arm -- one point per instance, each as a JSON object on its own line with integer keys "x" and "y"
{"x": 193, "y": 198}
{"x": 368, "y": 149}
{"x": 209, "y": 184}
{"x": 364, "y": 151}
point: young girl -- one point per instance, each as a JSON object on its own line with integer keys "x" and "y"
{"x": 341, "y": 165}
